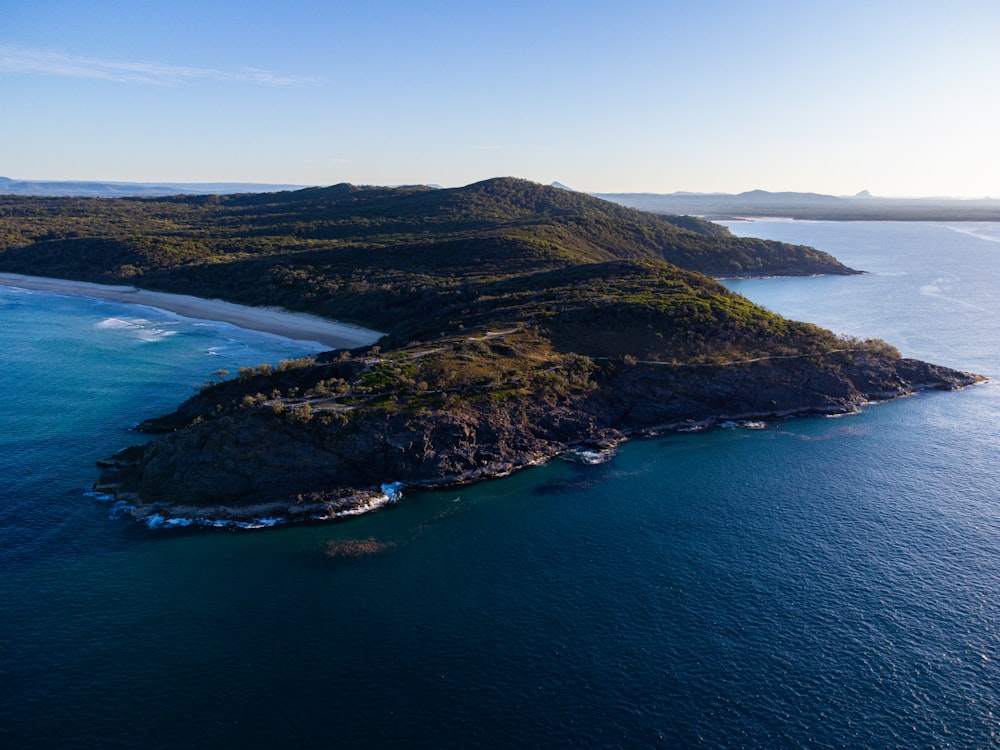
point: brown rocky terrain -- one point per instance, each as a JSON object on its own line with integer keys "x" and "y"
{"x": 314, "y": 457}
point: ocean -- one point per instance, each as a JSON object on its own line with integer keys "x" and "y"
{"x": 820, "y": 582}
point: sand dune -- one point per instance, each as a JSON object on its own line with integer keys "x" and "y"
{"x": 298, "y": 326}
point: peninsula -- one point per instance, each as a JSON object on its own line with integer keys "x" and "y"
{"x": 521, "y": 321}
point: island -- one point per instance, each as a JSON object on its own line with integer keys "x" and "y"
{"x": 520, "y": 322}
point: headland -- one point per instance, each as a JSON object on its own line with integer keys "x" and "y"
{"x": 521, "y": 322}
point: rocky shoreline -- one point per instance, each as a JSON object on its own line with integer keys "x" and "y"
{"x": 308, "y": 474}
{"x": 520, "y": 321}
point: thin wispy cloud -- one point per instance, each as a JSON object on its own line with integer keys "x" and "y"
{"x": 16, "y": 59}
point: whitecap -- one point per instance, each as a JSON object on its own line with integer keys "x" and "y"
{"x": 144, "y": 329}
{"x": 366, "y": 506}
{"x": 258, "y": 523}
{"x": 158, "y": 521}
{"x": 118, "y": 323}
{"x": 393, "y": 491}
{"x": 155, "y": 334}
{"x": 748, "y": 424}
{"x": 589, "y": 456}
{"x": 118, "y": 510}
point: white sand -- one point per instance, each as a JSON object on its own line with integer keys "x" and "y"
{"x": 298, "y": 326}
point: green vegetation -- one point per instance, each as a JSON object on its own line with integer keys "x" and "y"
{"x": 519, "y": 319}
{"x": 405, "y": 260}
{"x": 438, "y": 270}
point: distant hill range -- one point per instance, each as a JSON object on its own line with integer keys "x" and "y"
{"x": 860, "y": 207}
{"x": 754, "y": 203}
{"x": 87, "y": 189}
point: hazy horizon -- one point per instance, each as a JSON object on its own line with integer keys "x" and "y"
{"x": 557, "y": 183}
{"x": 643, "y": 96}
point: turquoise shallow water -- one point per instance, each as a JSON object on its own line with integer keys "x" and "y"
{"x": 818, "y": 583}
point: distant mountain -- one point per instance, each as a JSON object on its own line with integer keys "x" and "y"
{"x": 89, "y": 189}
{"x": 761, "y": 203}
{"x": 753, "y": 203}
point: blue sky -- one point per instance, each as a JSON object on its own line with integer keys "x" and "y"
{"x": 900, "y": 98}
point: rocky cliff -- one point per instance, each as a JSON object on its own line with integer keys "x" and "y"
{"x": 307, "y": 460}
{"x": 520, "y": 319}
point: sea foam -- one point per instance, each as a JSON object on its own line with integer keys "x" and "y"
{"x": 143, "y": 329}
{"x": 589, "y": 456}
{"x": 393, "y": 491}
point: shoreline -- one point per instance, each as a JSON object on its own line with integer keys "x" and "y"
{"x": 355, "y": 501}
{"x": 276, "y": 321}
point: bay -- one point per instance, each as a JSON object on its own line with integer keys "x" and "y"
{"x": 818, "y": 583}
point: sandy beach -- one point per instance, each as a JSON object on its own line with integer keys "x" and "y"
{"x": 298, "y": 326}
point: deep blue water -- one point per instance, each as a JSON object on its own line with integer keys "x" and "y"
{"x": 818, "y": 583}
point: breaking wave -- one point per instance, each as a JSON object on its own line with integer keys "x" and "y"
{"x": 143, "y": 329}
{"x": 588, "y": 456}
{"x": 391, "y": 493}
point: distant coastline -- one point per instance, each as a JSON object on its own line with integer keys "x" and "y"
{"x": 761, "y": 204}
{"x": 862, "y": 206}
{"x": 96, "y": 189}
{"x": 296, "y": 326}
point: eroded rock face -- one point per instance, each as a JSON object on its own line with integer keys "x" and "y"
{"x": 644, "y": 397}
{"x": 257, "y": 457}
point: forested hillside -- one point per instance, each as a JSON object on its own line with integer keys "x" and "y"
{"x": 521, "y": 320}
{"x": 366, "y": 254}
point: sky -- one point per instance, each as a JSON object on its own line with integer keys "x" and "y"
{"x": 901, "y": 98}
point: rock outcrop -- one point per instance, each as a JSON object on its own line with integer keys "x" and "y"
{"x": 297, "y": 464}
